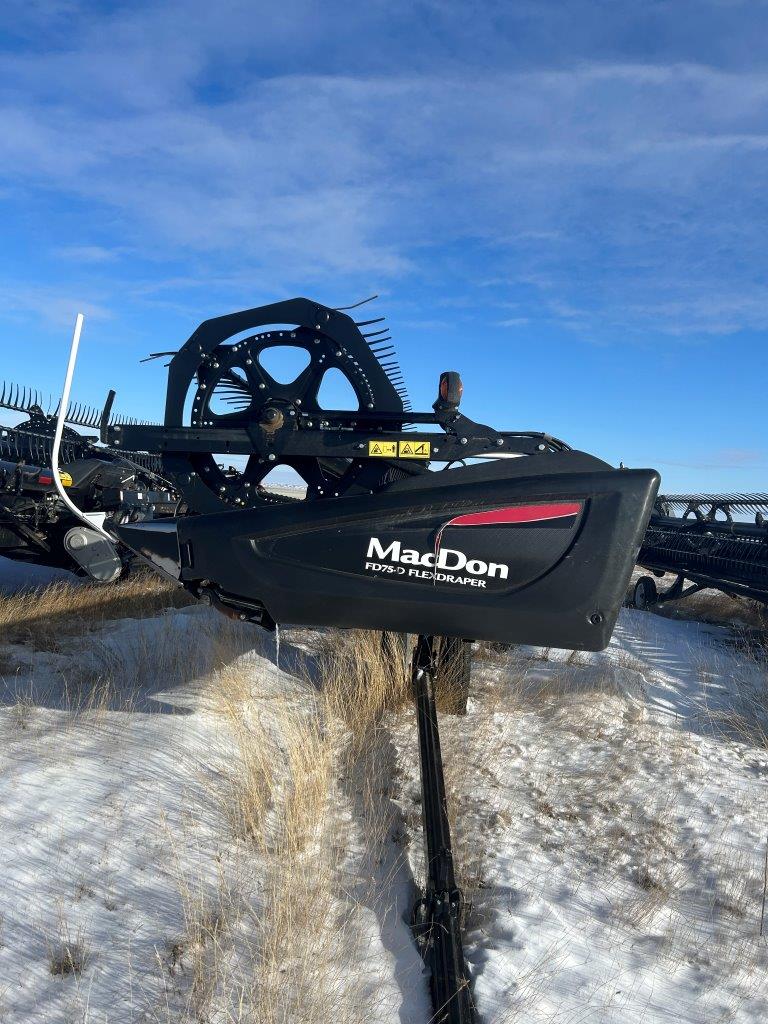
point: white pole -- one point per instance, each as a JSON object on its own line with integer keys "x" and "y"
{"x": 95, "y": 520}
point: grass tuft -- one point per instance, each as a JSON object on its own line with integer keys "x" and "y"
{"x": 41, "y": 617}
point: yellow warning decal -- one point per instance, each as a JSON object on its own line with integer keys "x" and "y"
{"x": 414, "y": 449}
{"x": 65, "y": 478}
{"x": 383, "y": 449}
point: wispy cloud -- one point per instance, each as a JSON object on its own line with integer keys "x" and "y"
{"x": 54, "y": 306}
{"x": 624, "y": 197}
{"x": 86, "y": 253}
{"x": 515, "y": 321}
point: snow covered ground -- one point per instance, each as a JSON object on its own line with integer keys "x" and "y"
{"x": 610, "y": 815}
{"x": 18, "y": 575}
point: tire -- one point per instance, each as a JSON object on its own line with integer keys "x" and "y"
{"x": 453, "y": 670}
{"x": 645, "y": 593}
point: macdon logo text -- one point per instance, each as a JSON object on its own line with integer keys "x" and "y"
{"x": 394, "y": 558}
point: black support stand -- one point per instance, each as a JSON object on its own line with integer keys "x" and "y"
{"x": 437, "y": 915}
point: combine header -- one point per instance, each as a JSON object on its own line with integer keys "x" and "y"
{"x": 518, "y": 539}
{"x": 715, "y": 541}
{"x": 36, "y": 525}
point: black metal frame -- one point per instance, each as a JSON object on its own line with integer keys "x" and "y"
{"x": 466, "y": 439}
{"x": 437, "y": 915}
{"x": 34, "y": 523}
{"x": 708, "y": 545}
{"x": 304, "y": 434}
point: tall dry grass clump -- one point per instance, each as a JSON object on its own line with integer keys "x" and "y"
{"x": 363, "y": 675}
{"x": 308, "y": 735}
{"x": 299, "y": 752}
{"x": 38, "y": 617}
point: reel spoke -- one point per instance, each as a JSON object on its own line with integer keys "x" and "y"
{"x": 307, "y": 385}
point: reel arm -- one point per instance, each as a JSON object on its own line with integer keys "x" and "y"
{"x": 467, "y": 440}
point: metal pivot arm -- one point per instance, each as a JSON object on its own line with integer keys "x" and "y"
{"x": 437, "y": 915}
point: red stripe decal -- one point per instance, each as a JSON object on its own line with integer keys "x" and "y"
{"x": 43, "y": 479}
{"x": 516, "y": 514}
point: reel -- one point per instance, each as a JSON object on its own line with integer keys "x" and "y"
{"x": 222, "y": 383}
{"x": 232, "y": 388}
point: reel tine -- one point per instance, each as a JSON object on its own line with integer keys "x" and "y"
{"x": 362, "y": 302}
{"x": 367, "y": 323}
{"x": 375, "y": 334}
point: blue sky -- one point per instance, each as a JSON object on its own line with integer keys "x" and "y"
{"x": 566, "y": 202}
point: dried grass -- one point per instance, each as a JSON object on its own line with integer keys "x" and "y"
{"x": 42, "y": 616}
{"x": 69, "y": 953}
{"x": 297, "y": 754}
{"x": 740, "y": 708}
{"x": 285, "y": 946}
{"x": 711, "y": 606}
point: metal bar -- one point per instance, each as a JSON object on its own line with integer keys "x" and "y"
{"x": 437, "y": 915}
{"x": 314, "y": 443}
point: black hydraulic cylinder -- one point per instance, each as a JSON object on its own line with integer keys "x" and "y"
{"x": 437, "y": 915}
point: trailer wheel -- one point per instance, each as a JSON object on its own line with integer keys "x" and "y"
{"x": 453, "y": 670}
{"x": 645, "y": 593}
